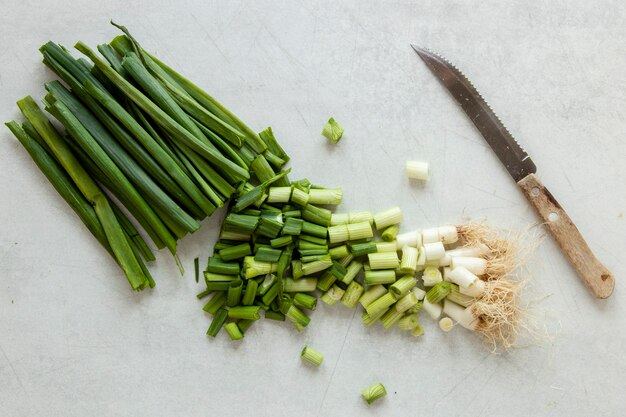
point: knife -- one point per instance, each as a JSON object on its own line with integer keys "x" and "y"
{"x": 596, "y": 276}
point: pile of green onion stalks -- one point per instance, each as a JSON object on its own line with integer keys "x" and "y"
{"x": 138, "y": 134}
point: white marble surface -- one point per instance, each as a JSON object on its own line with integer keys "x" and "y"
{"x": 74, "y": 341}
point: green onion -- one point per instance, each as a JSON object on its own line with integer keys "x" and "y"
{"x": 457, "y": 297}
{"x": 360, "y": 249}
{"x": 282, "y": 241}
{"x": 314, "y": 240}
{"x": 218, "y": 266}
{"x": 338, "y": 252}
{"x": 316, "y": 266}
{"x": 352, "y": 271}
{"x": 211, "y": 277}
{"x": 271, "y": 294}
{"x": 215, "y": 303}
{"x": 327, "y": 196}
{"x": 196, "y": 267}
{"x": 369, "y": 319}
{"x": 299, "y": 197}
{"x": 233, "y": 331}
{"x": 385, "y": 276}
{"x": 236, "y": 236}
{"x": 240, "y": 223}
{"x": 317, "y": 215}
{"x": 218, "y": 285}
{"x": 253, "y": 268}
{"x": 244, "y": 312}
{"x": 373, "y": 293}
{"x": 383, "y": 260}
{"x": 249, "y": 293}
{"x": 279, "y": 194}
{"x": 236, "y": 252}
{"x": 305, "y": 301}
{"x": 438, "y": 292}
{"x": 406, "y": 302}
{"x": 244, "y": 325}
{"x": 360, "y": 230}
{"x": 234, "y": 293}
{"x": 272, "y": 144}
{"x": 274, "y": 315}
{"x": 333, "y": 295}
{"x": 408, "y": 263}
{"x": 388, "y": 218}
{"x": 292, "y": 213}
{"x": 390, "y": 318}
{"x": 311, "y": 356}
{"x": 339, "y": 233}
{"x": 267, "y": 283}
{"x": 285, "y": 303}
{"x": 300, "y": 285}
{"x": 218, "y": 321}
{"x": 390, "y": 233}
{"x": 371, "y": 394}
{"x": 415, "y": 309}
{"x": 403, "y": 285}
{"x": 332, "y": 131}
{"x": 326, "y": 280}
{"x": 381, "y": 303}
{"x": 386, "y": 247}
{"x": 203, "y": 294}
{"x": 417, "y": 331}
{"x": 314, "y": 229}
{"x": 306, "y": 245}
{"x": 298, "y": 318}
{"x": 408, "y": 322}
{"x": 338, "y": 270}
{"x": 269, "y": 227}
{"x": 265, "y": 254}
{"x": 352, "y": 294}
{"x": 296, "y": 269}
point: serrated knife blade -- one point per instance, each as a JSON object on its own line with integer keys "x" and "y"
{"x": 517, "y": 162}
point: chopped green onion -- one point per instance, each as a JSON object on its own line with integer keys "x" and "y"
{"x": 415, "y": 309}
{"x": 215, "y": 303}
{"x": 306, "y": 245}
{"x": 300, "y": 285}
{"x": 406, "y": 302}
{"x": 326, "y": 280}
{"x": 249, "y": 293}
{"x": 388, "y": 218}
{"x": 282, "y": 241}
{"x": 313, "y": 255}
{"x": 311, "y": 356}
{"x": 292, "y": 213}
{"x": 403, "y": 285}
{"x": 218, "y": 285}
{"x": 314, "y": 229}
{"x": 360, "y": 249}
{"x": 369, "y": 319}
{"x": 233, "y": 331}
{"x": 384, "y": 276}
{"x": 333, "y": 295}
{"x": 438, "y": 292}
{"x": 457, "y": 297}
{"x": 244, "y": 325}
{"x": 196, "y": 267}
{"x": 203, "y": 294}
{"x": 338, "y": 252}
{"x": 352, "y": 294}
{"x": 238, "y": 236}
{"x": 431, "y": 276}
{"x": 279, "y": 194}
{"x": 417, "y": 331}
{"x": 446, "y": 324}
{"x": 339, "y": 233}
{"x": 408, "y": 322}
{"x": 218, "y": 266}
{"x": 272, "y": 144}
{"x": 339, "y": 218}
{"x": 360, "y": 230}
{"x": 284, "y": 303}
{"x": 326, "y": 196}
{"x": 316, "y": 215}
{"x": 253, "y": 268}
{"x": 298, "y": 318}
{"x": 408, "y": 264}
{"x": 386, "y": 247}
{"x": 390, "y": 318}
{"x": 346, "y": 260}
{"x": 271, "y": 294}
{"x": 299, "y": 197}
{"x": 218, "y": 321}
{"x": 381, "y": 303}
{"x": 292, "y": 226}
{"x": 383, "y": 260}
{"x": 234, "y": 293}
{"x": 269, "y": 227}
{"x": 303, "y": 300}
{"x": 315, "y": 240}
{"x": 274, "y": 315}
{"x": 332, "y": 131}
{"x": 296, "y": 269}
{"x": 352, "y": 271}
{"x": 338, "y": 270}
{"x": 317, "y": 266}
{"x": 390, "y": 233}
{"x": 235, "y": 252}
{"x": 265, "y": 254}
{"x": 244, "y": 312}
{"x": 373, "y": 293}
{"x": 213, "y": 277}
{"x": 371, "y": 394}
{"x": 417, "y": 170}
{"x": 240, "y": 223}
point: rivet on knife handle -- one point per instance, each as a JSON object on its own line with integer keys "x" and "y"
{"x": 595, "y": 275}
{"x": 521, "y": 167}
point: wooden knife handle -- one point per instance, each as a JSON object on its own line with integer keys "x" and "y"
{"x": 595, "y": 275}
